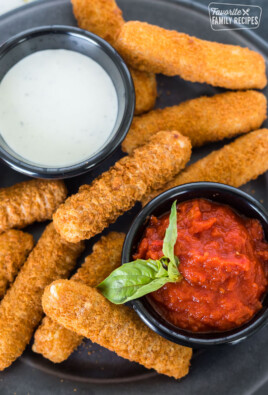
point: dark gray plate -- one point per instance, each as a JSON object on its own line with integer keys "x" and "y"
{"x": 228, "y": 370}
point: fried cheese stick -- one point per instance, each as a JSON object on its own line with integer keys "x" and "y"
{"x": 152, "y": 48}
{"x": 203, "y": 120}
{"x": 117, "y": 327}
{"x": 145, "y": 90}
{"x": 29, "y": 201}
{"x": 15, "y": 246}
{"x": 104, "y": 18}
{"x": 21, "y": 309}
{"x": 235, "y": 164}
{"x": 52, "y": 340}
{"x": 95, "y": 206}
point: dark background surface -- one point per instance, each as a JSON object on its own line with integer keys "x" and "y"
{"x": 205, "y": 377}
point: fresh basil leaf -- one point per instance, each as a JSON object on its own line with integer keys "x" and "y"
{"x": 154, "y": 285}
{"x": 169, "y": 243}
{"x": 171, "y": 234}
{"x": 173, "y": 271}
{"x": 171, "y": 267}
{"x": 138, "y": 278}
{"x": 162, "y": 269}
{"x": 133, "y": 280}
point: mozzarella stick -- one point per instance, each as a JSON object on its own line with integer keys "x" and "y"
{"x": 152, "y": 48}
{"x": 104, "y": 18}
{"x": 203, "y": 120}
{"x": 117, "y": 327}
{"x": 52, "y": 340}
{"x": 235, "y": 164}
{"x": 21, "y": 309}
{"x": 95, "y": 206}
{"x": 15, "y": 246}
{"x": 29, "y": 201}
{"x": 145, "y": 90}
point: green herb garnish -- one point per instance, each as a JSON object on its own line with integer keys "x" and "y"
{"x": 138, "y": 278}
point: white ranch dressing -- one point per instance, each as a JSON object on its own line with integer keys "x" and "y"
{"x": 57, "y": 108}
{"x": 7, "y": 5}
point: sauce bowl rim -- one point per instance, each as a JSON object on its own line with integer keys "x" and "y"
{"x": 129, "y": 105}
{"x": 146, "y": 312}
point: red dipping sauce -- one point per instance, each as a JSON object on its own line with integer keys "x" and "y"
{"x": 224, "y": 262}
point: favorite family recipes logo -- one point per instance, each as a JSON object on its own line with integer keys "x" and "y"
{"x": 225, "y": 16}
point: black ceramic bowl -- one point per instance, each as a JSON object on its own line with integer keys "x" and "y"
{"x": 239, "y": 201}
{"x": 70, "y": 38}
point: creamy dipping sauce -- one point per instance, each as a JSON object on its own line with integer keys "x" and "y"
{"x": 57, "y": 108}
{"x": 7, "y": 5}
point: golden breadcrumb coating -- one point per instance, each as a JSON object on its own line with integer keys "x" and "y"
{"x": 203, "y": 120}
{"x": 145, "y": 90}
{"x": 21, "y": 309}
{"x": 95, "y": 206}
{"x": 116, "y": 327}
{"x": 52, "y": 340}
{"x": 152, "y": 48}
{"x": 29, "y": 201}
{"x": 101, "y": 17}
{"x": 105, "y": 257}
{"x": 235, "y": 164}
{"x": 15, "y": 246}
{"x": 104, "y": 18}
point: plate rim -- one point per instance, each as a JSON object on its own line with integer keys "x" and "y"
{"x": 250, "y": 36}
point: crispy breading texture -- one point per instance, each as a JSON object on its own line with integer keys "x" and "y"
{"x": 29, "y": 201}
{"x": 104, "y": 18}
{"x": 152, "y": 48}
{"x": 116, "y": 327}
{"x": 15, "y": 246}
{"x": 235, "y": 164}
{"x": 95, "y": 206}
{"x": 203, "y": 120}
{"x": 101, "y": 17}
{"x": 21, "y": 309}
{"x": 145, "y": 90}
{"x": 52, "y": 340}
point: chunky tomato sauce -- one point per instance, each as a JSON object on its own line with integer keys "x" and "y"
{"x": 224, "y": 262}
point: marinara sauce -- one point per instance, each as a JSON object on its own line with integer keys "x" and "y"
{"x": 224, "y": 262}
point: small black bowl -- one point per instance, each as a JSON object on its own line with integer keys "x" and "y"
{"x": 71, "y": 38}
{"x": 239, "y": 201}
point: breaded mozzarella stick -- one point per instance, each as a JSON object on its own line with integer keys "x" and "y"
{"x": 152, "y": 48}
{"x": 235, "y": 164}
{"x": 145, "y": 90}
{"x": 101, "y": 17}
{"x": 104, "y": 18}
{"x": 203, "y": 120}
{"x": 29, "y": 201}
{"x": 117, "y": 327}
{"x": 21, "y": 309}
{"x": 95, "y": 206}
{"x": 52, "y": 340}
{"x": 15, "y": 246}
